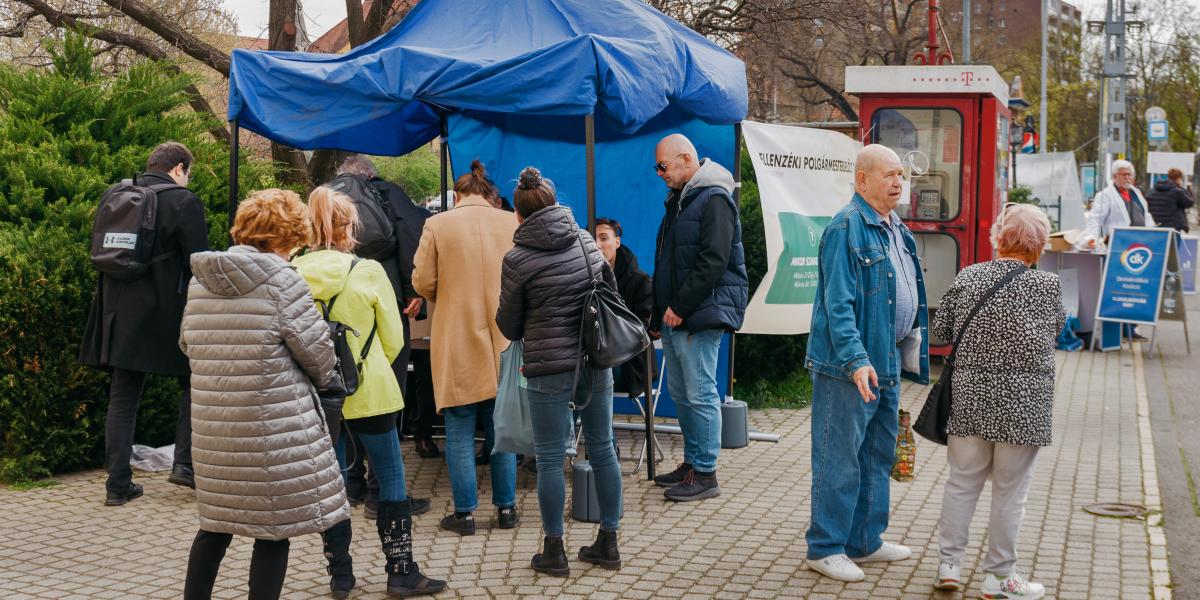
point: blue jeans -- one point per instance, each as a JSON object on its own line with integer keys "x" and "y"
{"x": 383, "y": 452}
{"x": 853, "y": 449}
{"x": 549, "y": 396}
{"x": 691, "y": 360}
{"x": 460, "y": 458}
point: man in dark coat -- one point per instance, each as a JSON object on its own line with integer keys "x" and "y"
{"x": 133, "y": 326}
{"x": 1169, "y": 202}
{"x": 700, "y": 292}
{"x": 409, "y": 222}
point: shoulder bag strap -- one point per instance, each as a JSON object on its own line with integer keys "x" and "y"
{"x": 982, "y": 301}
{"x": 579, "y": 349}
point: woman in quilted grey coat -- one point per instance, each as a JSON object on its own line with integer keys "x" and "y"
{"x": 265, "y": 466}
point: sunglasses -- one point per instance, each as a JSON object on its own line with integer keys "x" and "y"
{"x": 661, "y": 167}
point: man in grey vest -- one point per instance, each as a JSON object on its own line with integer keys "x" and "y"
{"x": 700, "y": 292}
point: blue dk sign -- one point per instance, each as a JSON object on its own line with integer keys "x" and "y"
{"x": 1133, "y": 275}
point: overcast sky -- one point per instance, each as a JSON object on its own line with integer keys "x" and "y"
{"x": 323, "y": 14}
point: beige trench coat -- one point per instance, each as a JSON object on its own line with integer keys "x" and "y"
{"x": 458, "y": 266}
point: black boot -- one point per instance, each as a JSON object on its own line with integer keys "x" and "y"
{"x": 336, "y": 541}
{"x": 395, "y": 533}
{"x": 604, "y": 552}
{"x": 553, "y": 558}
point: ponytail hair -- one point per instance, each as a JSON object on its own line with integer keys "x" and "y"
{"x": 475, "y": 183}
{"x": 334, "y": 220}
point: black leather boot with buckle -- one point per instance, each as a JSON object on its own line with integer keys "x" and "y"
{"x": 395, "y": 534}
{"x": 552, "y": 560}
{"x": 336, "y": 543}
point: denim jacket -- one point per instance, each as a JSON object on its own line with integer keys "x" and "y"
{"x": 853, "y": 321}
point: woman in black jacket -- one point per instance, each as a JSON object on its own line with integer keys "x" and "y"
{"x": 636, "y": 290}
{"x": 543, "y": 282}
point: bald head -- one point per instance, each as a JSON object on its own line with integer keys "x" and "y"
{"x": 879, "y": 177}
{"x": 676, "y": 160}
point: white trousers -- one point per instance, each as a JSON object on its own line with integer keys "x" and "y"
{"x": 972, "y": 460}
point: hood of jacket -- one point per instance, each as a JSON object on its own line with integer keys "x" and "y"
{"x": 625, "y": 262}
{"x": 1165, "y": 185}
{"x": 551, "y": 228}
{"x": 710, "y": 174}
{"x": 235, "y": 272}
{"x": 325, "y": 271}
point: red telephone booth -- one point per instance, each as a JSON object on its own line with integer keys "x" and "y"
{"x": 949, "y": 124}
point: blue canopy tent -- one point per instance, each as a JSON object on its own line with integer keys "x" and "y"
{"x": 582, "y": 90}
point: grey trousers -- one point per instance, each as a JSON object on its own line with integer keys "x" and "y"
{"x": 972, "y": 460}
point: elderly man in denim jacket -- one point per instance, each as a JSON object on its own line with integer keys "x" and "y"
{"x": 868, "y": 330}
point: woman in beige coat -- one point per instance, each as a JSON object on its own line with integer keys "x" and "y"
{"x": 457, "y": 265}
{"x": 258, "y": 350}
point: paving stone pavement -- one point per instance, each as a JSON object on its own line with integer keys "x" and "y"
{"x": 60, "y": 542}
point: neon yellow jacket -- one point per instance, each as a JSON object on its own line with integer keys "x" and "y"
{"x": 367, "y": 298}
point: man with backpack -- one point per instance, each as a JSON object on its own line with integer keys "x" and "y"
{"x": 144, "y": 234}
{"x": 389, "y": 232}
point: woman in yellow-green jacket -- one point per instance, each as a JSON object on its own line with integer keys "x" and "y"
{"x": 363, "y": 299}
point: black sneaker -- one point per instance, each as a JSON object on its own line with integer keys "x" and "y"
{"x": 182, "y": 474}
{"x": 119, "y": 498}
{"x": 426, "y": 447}
{"x": 675, "y": 477}
{"x": 507, "y": 517}
{"x": 462, "y": 526}
{"x": 696, "y": 486}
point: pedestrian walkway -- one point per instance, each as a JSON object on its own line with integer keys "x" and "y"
{"x": 61, "y": 542}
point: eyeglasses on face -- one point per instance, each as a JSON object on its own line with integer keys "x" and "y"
{"x": 661, "y": 167}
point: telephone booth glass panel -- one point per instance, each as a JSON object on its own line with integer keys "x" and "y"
{"x": 930, "y": 144}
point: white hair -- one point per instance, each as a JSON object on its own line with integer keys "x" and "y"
{"x": 1121, "y": 164}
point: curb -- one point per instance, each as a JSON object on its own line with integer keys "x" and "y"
{"x": 1160, "y": 571}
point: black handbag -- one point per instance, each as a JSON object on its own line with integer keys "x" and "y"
{"x": 610, "y": 333}
{"x": 935, "y": 415}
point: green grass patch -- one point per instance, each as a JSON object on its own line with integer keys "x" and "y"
{"x": 793, "y": 391}
{"x": 34, "y": 484}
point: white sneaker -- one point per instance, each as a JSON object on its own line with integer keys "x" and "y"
{"x": 886, "y": 553}
{"x": 1013, "y": 587}
{"x": 949, "y": 577}
{"x": 837, "y": 567}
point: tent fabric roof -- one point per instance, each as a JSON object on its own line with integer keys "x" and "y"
{"x": 622, "y": 59}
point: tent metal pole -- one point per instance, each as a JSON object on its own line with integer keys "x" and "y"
{"x": 737, "y": 198}
{"x": 445, "y": 158}
{"x": 589, "y": 133}
{"x": 651, "y": 404}
{"x": 233, "y": 174}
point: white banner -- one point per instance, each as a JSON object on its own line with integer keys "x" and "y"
{"x": 804, "y": 177}
{"x": 1159, "y": 163}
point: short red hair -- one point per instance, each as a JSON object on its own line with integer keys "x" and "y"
{"x": 271, "y": 220}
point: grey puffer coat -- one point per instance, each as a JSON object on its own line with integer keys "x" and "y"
{"x": 542, "y": 285}
{"x": 265, "y": 467}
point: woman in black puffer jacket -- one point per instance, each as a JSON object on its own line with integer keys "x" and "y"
{"x": 543, "y": 282}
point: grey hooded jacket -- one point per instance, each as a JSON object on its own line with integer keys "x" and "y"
{"x": 265, "y": 467}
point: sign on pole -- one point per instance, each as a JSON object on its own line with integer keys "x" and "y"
{"x": 804, "y": 177}
{"x": 1156, "y": 130}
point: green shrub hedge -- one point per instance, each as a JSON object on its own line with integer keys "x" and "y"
{"x": 66, "y": 134}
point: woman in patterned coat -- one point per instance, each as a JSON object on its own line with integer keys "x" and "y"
{"x": 1003, "y": 392}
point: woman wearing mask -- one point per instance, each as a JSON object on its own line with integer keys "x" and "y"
{"x": 545, "y": 278}
{"x": 357, "y": 293}
{"x": 258, "y": 350}
{"x": 457, "y": 266}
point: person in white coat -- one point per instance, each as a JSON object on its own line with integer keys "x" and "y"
{"x": 1118, "y": 205}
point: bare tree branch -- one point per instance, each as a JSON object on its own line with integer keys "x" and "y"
{"x": 172, "y": 34}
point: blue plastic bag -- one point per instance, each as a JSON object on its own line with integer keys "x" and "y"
{"x": 511, "y": 419}
{"x": 1067, "y": 340}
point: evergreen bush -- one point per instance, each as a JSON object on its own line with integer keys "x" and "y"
{"x": 66, "y": 134}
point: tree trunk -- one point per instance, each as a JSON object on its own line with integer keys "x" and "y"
{"x": 282, "y": 36}
{"x": 172, "y": 34}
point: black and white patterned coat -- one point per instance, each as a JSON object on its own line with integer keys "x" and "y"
{"x": 1003, "y": 385}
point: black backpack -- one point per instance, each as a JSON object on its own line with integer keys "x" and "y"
{"x": 377, "y": 231}
{"x": 125, "y": 228}
{"x": 349, "y": 366}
